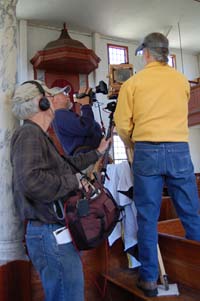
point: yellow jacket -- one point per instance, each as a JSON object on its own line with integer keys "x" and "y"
{"x": 153, "y": 106}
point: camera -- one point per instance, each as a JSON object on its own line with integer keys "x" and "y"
{"x": 101, "y": 88}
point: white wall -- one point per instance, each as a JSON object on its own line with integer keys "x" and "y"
{"x": 190, "y": 66}
{"x": 38, "y": 37}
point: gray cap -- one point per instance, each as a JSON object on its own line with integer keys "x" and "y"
{"x": 58, "y": 90}
{"x": 29, "y": 90}
{"x": 153, "y": 40}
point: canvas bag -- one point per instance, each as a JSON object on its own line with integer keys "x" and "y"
{"x": 91, "y": 216}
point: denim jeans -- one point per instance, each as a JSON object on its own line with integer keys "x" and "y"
{"x": 153, "y": 165}
{"x": 59, "y": 266}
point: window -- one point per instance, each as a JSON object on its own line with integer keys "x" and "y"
{"x": 119, "y": 152}
{"x": 172, "y": 60}
{"x": 117, "y": 54}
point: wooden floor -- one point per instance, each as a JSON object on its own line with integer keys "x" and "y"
{"x": 122, "y": 282}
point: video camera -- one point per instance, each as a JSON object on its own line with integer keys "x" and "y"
{"x": 101, "y": 88}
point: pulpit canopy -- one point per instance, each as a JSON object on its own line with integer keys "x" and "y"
{"x": 66, "y": 55}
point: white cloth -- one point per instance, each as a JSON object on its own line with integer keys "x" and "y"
{"x": 130, "y": 226}
{"x": 120, "y": 179}
{"x": 125, "y": 176}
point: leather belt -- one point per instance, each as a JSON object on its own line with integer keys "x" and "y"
{"x": 150, "y": 142}
{"x": 36, "y": 223}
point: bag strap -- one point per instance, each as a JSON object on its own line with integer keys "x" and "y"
{"x": 64, "y": 158}
{"x": 75, "y": 167}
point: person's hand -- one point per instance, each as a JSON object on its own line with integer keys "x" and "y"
{"x": 82, "y": 182}
{"x": 85, "y": 184}
{"x": 78, "y": 176}
{"x": 104, "y": 145}
{"x": 85, "y": 100}
{"x": 69, "y": 104}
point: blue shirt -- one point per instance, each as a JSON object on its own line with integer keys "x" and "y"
{"x": 77, "y": 133}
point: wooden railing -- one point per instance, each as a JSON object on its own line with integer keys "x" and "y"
{"x": 194, "y": 106}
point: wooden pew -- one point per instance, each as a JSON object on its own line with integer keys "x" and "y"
{"x": 111, "y": 264}
{"x": 194, "y": 105}
{"x": 181, "y": 256}
{"x": 181, "y": 259}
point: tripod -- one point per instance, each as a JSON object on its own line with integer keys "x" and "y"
{"x": 106, "y": 155}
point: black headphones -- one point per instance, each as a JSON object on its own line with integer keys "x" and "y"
{"x": 44, "y": 103}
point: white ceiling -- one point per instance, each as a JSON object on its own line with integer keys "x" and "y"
{"x": 127, "y": 19}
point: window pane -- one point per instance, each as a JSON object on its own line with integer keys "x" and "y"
{"x": 118, "y": 149}
{"x": 117, "y": 54}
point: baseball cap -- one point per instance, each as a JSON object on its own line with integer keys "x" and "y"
{"x": 31, "y": 89}
{"x": 58, "y": 90}
{"x": 153, "y": 40}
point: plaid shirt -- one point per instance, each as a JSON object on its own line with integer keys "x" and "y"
{"x": 40, "y": 174}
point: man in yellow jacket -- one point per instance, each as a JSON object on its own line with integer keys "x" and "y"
{"x": 152, "y": 113}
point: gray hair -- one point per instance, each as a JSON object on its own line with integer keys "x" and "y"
{"x": 158, "y": 46}
{"x": 160, "y": 54}
{"x": 26, "y": 109}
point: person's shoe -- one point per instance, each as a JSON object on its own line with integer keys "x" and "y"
{"x": 148, "y": 287}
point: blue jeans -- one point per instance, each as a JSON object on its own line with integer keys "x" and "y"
{"x": 59, "y": 266}
{"x": 154, "y": 165}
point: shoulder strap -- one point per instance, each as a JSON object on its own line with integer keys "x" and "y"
{"x": 64, "y": 158}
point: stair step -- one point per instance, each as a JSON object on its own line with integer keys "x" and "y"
{"x": 125, "y": 279}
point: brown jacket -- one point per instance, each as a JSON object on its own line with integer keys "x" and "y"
{"x": 40, "y": 174}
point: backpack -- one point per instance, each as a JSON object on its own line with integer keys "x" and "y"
{"x": 91, "y": 216}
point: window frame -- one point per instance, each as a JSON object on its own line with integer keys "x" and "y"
{"x": 117, "y": 46}
{"x": 120, "y": 159}
{"x": 126, "y": 61}
{"x": 173, "y": 57}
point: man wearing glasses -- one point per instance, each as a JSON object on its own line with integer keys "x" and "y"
{"x": 76, "y": 133}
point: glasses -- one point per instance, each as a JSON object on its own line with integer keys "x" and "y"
{"x": 67, "y": 90}
{"x": 65, "y": 93}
